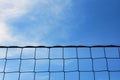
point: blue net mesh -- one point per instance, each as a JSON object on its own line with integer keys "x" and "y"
{"x": 60, "y": 62}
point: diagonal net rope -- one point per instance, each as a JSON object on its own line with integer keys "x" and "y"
{"x": 60, "y": 62}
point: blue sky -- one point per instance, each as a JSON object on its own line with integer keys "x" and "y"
{"x": 59, "y": 22}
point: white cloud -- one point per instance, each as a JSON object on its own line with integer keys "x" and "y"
{"x": 5, "y": 34}
{"x": 12, "y": 9}
{"x": 16, "y": 8}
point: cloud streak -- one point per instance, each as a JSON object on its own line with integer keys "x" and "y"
{"x": 4, "y": 36}
{"x": 10, "y": 10}
{"x": 13, "y": 8}
{"x": 50, "y": 13}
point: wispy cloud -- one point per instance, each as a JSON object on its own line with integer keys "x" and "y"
{"x": 4, "y": 36}
{"x": 50, "y": 13}
{"x": 10, "y": 10}
{"x": 13, "y": 8}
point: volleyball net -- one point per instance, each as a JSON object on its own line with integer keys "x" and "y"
{"x": 60, "y": 62}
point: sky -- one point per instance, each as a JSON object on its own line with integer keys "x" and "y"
{"x": 59, "y": 22}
